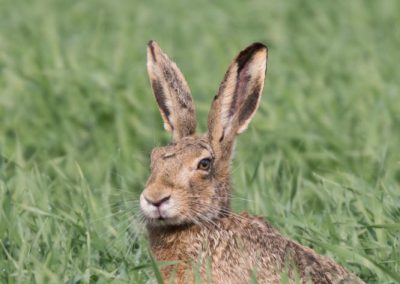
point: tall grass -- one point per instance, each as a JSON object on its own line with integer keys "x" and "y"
{"x": 77, "y": 122}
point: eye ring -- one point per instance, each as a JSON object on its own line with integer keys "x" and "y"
{"x": 204, "y": 164}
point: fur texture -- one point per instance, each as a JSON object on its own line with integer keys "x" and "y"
{"x": 186, "y": 199}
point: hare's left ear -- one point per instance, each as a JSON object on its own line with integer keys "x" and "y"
{"x": 172, "y": 93}
{"x": 238, "y": 98}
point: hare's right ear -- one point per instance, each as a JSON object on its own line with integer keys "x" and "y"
{"x": 237, "y": 99}
{"x": 172, "y": 93}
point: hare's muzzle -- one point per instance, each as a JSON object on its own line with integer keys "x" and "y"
{"x": 156, "y": 206}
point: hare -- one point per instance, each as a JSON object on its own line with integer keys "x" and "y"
{"x": 185, "y": 203}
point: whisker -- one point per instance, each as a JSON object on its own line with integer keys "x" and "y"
{"x": 222, "y": 210}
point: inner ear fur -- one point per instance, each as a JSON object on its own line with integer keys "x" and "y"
{"x": 172, "y": 93}
{"x": 238, "y": 97}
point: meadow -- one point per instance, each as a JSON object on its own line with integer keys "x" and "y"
{"x": 320, "y": 159}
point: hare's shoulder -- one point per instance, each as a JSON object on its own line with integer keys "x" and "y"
{"x": 254, "y": 232}
{"x": 272, "y": 248}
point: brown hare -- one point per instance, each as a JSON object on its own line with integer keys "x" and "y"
{"x": 186, "y": 199}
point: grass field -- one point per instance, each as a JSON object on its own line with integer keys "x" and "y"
{"x": 320, "y": 160}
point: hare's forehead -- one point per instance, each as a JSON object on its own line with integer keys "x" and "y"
{"x": 181, "y": 149}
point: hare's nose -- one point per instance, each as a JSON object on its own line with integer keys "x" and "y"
{"x": 157, "y": 203}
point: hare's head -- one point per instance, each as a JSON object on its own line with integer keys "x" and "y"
{"x": 189, "y": 181}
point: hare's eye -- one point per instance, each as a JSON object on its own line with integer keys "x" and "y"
{"x": 204, "y": 164}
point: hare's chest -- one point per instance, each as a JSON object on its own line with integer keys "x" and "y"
{"x": 221, "y": 254}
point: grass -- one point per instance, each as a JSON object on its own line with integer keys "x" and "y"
{"x": 320, "y": 160}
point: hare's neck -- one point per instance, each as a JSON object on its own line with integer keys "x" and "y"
{"x": 168, "y": 243}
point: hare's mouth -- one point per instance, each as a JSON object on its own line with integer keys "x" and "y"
{"x": 163, "y": 221}
{"x": 157, "y": 215}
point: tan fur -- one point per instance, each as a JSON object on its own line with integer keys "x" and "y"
{"x": 186, "y": 206}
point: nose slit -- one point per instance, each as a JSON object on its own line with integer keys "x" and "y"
{"x": 158, "y": 202}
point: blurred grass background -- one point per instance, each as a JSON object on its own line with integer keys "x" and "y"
{"x": 77, "y": 122}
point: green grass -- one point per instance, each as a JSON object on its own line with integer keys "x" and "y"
{"x": 320, "y": 160}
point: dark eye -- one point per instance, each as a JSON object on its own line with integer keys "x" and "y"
{"x": 204, "y": 164}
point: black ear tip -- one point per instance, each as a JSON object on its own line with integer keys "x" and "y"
{"x": 150, "y": 43}
{"x": 258, "y": 46}
{"x": 246, "y": 54}
{"x": 253, "y": 48}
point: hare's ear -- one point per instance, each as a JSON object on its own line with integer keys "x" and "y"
{"x": 238, "y": 97}
{"x": 172, "y": 93}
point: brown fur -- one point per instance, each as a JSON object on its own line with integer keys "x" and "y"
{"x": 186, "y": 202}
